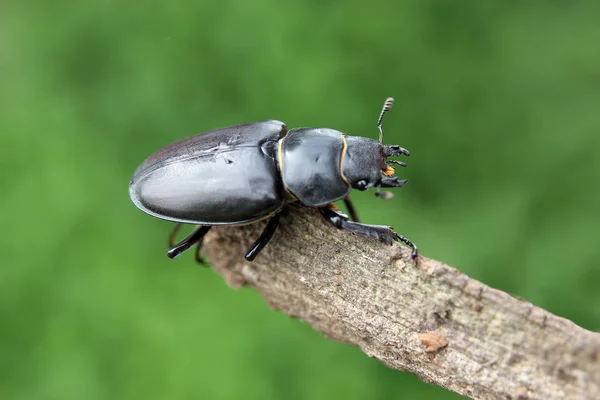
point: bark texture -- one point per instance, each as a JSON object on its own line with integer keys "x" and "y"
{"x": 429, "y": 319}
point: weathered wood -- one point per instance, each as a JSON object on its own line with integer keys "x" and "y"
{"x": 428, "y": 319}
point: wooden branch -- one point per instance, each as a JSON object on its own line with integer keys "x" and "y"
{"x": 428, "y": 319}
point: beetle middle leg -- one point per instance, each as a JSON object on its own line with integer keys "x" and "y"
{"x": 264, "y": 238}
{"x": 193, "y": 238}
{"x": 351, "y": 209}
{"x": 380, "y": 232}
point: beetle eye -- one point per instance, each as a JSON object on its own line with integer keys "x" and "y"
{"x": 361, "y": 185}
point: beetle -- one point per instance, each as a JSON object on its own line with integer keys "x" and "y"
{"x": 247, "y": 173}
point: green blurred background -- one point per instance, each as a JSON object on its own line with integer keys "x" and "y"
{"x": 497, "y": 101}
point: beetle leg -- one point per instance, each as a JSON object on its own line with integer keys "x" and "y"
{"x": 382, "y": 233}
{"x": 383, "y": 195}
{"x": 264, "y": 238}
{"x": 195, "y": 237}
{"x": 199, "y": 259}
{"x": 351, "y": 209}
{"x": 173, "y": 234}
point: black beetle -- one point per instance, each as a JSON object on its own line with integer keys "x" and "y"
{"x": 246, "y": 173}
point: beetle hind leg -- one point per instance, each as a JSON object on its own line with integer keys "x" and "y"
{"x": 198, "y": 255}
{"x": 380, "y": 232}
{"x": 264, "y": 238}
{"x": 173, "y": 235}
{"x": 196, "y": 237}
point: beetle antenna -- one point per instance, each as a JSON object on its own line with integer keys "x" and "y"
{"x": 387, "y": 106}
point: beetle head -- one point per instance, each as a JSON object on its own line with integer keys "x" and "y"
{"x": 365, "y": 163}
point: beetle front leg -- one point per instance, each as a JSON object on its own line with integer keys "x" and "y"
{"x": 195, "y": 237}
{"x": 382, "y": 233}
{"x": 264, "y": 238}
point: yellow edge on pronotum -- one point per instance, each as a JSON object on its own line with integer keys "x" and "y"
{"x": 344, "y": 149}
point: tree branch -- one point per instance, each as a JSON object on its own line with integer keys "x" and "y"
{"x": 428, "y": 319}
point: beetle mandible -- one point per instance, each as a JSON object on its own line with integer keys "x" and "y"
{"x": 247, "y": 173}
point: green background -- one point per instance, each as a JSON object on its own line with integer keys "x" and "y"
{"x": 498, "y": 103}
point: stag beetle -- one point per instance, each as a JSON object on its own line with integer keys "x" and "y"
{"x": 247, "y": 173}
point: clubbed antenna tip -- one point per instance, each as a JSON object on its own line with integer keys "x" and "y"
{"x": 387, "y": 106}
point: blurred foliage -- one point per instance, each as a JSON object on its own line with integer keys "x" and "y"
{"x": 497, "y": 101}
